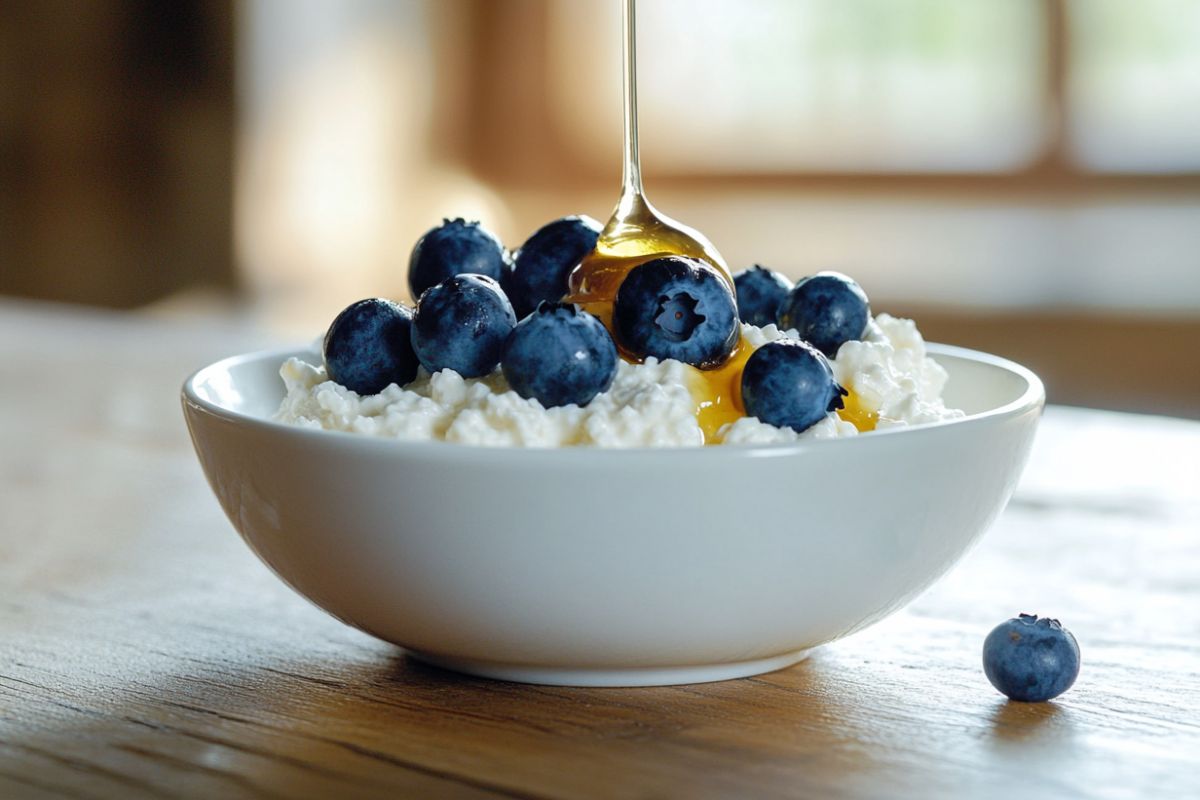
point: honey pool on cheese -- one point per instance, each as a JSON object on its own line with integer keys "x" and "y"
{"x": 653, "y": 404}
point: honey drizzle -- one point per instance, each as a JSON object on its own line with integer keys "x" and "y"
{"x": 635, "y": 233}
{"x": 718, "y": 393}
{"x": 854, "y": 412}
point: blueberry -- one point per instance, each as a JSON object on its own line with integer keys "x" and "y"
{"x": 828, "y": 309}
{"x": 461, "y": 324}
{"x": 678, "y": 308}
{"x": 1031, "y": 659}
{"x": 368, "y": 346}
{"x": 543, "y": 264}
{"x": 789, "y": 384}
{"x": 559, "y": 355}
{"x": 455, "y": 247}
{"x": 759, "y": 293}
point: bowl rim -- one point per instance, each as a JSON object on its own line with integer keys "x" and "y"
{"x": 1032, "y": 398}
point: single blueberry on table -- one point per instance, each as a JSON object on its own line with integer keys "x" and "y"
{"x": 367, "y": 347}
{"x": 675, "y": 307}
{"x": 1031, "y": 659}
{"x": 462, "y": 324}
{"x": 759, "y": 293}
{"x": 543, "y": 264}
{"x": 455, "y": 247}
{"x": 827, "y": 309}
{"x": 560, "y": 355}
{"x": 790, "y": 384}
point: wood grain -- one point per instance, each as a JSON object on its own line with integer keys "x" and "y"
{"x": 144, "y": 652}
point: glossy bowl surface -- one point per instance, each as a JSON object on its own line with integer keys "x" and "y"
{"x": 611, "y": 567}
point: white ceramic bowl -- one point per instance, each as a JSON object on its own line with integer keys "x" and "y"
{"x": 611, "y": 567}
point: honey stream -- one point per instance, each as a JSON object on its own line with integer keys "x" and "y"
{"x": 637, "y": 232}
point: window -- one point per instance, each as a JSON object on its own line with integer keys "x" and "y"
{"x": 1134, "y": 85}
{"x": 887, "y": 86}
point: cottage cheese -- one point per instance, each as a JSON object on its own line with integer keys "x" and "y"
{"x": 649, "y": 405}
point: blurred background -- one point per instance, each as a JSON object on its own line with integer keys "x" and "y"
{"x": 1021, "y": 176}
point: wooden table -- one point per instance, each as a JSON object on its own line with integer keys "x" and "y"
{"x": 144, "y": 652}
